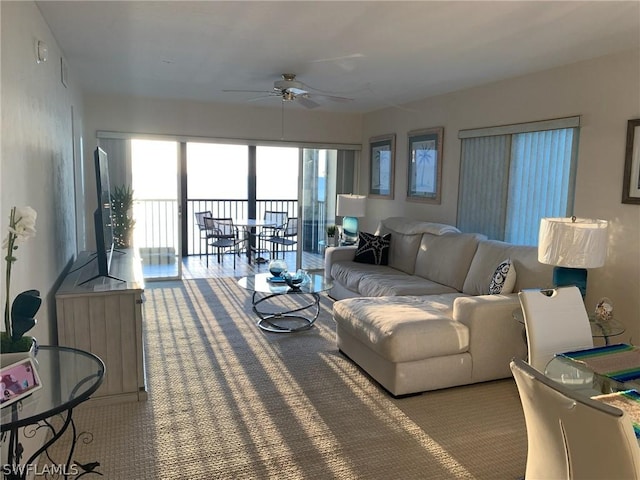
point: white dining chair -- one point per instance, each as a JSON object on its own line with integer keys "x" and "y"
{"x": 555, "y": 321}
{"x": 571, "y": 436}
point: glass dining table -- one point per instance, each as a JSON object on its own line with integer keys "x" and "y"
{"x": 609, "y": 374}
{"x": 597, "y": 370}
{"x": 249, "y": 225}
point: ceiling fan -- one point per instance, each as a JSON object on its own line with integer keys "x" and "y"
{"x": 289, "y": 89}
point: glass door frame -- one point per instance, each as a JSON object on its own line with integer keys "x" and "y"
{"x": 341, "y": 174}
{"x": 177, "y": 219}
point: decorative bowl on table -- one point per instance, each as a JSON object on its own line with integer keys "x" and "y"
{"x": 293, "y": 281}
{"x": 277, "y": 267}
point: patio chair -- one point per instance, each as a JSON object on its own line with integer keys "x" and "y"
{"x": 279, "y": 220}
{"x": 224, "y": 235}
{"x": 285, "y": 236}
{"x": 204, "y": 234}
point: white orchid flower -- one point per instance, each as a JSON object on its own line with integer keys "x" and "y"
{"x": 22, "y": 226}
{"x": 24, "y": 223}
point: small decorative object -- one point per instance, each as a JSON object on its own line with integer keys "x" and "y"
{"x": 331, "y": 235}
{"x": 304, "y": 275}
{"x": 19, "y": 316}
{"x": 294, "y": 281}
{"x": 277, "y": 267}
{"x": 604, "y": 310}
{"x": 121, "y": 204}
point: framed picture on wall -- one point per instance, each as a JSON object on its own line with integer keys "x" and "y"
{"x": 425, "y": 165}
{"x": 381, "y": 166}
{"x": 631, "y": 181}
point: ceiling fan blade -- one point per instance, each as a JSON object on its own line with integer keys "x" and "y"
{"x": 247, "y": 91}
{"x": 262, "y": 97}
{"x": 307, "y": 102}
{"x": 333, "y": 98}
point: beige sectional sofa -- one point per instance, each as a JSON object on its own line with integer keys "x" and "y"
{"x": 426, "y": 321}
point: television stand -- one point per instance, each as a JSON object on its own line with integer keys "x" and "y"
{"x": 101, "y": 276}
{"x": 105, "y": 316}
{"x": 92, "y": 257}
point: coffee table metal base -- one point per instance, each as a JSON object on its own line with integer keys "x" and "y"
{"x": 278, "y": 322}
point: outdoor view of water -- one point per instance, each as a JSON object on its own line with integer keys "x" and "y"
{"x": 214, "y": 171}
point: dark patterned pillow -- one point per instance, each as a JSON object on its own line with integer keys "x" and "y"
{"x": 503, "y": 279}
{"x": 373, "y": 249}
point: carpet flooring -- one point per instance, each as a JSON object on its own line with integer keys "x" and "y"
{"x": 230, "y": 401}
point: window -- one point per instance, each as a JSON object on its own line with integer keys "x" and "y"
{"x": 512, "y": 176}
{"x": 217, "y": 170}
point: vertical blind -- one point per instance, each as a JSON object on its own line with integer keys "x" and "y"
{"x": 484, "y": 185}
{"x": 509, "y": 182}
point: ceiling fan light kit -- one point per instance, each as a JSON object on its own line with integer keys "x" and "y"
{"x": 289, "y": 89}
{"x": 289, "y": 83}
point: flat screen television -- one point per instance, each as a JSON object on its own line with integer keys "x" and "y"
{"x": 102, "y": 219}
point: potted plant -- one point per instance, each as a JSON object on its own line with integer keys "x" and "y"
{"x": 331, "y": 235}
{"x": 123, "y": 223}
{"x": 19, "y": 315}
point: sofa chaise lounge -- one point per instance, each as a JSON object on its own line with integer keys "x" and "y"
{"x": 426, "y": 320}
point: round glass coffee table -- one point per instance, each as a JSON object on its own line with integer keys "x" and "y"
{"x": 295, "y": 318}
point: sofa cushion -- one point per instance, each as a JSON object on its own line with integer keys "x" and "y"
{"x": 406, "y": 236}
{"x": 530, "y": 272}
{"x": 404, "y": 329}
{"x": 403, "y": 250}
{"x": 446, "y": 258}
{"x": 373, "y": 249}
{"x": 380, "y": 284}
{"x": 407, "y": 226}
{"x": 503, "y": 279}
{"x": 350, "y": 273}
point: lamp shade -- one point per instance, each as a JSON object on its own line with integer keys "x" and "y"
{"x": 351, "y": 205}
{"x": 573, "y": 242}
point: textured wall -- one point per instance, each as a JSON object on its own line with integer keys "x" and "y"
{"x": 208, "y": 120}
{"x": 604, "y": 91}
{"x": 37, "y": 155}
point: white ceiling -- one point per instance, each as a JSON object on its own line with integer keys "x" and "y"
{"x": 378, "y": 53}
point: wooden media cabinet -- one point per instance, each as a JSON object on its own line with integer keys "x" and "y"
{"x": 105, "y": 317}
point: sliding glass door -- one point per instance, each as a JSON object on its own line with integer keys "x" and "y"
{"x": 317, "y": 203}
{"x": 155, "y": 181}
{"x": 172, "y": 180}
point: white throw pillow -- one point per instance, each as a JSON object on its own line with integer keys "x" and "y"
{"x": 503, "y": 279}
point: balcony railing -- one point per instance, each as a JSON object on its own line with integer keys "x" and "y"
{"x": 157, "y": 227}
{"x": 229, "y": 208}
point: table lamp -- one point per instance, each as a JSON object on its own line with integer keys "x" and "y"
{"x": 350, "y": 207}
{"x": 572, "y": 245}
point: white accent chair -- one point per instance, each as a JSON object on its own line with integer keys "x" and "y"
{"x": 555, "y": 321}
{"x": 571, "y": 436}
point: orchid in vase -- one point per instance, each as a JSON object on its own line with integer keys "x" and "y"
{"x": 19, "y": 315}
